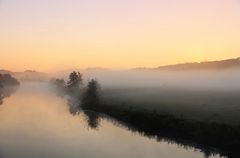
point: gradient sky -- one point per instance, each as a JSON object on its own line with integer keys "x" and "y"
{"x": 50, "y": 35}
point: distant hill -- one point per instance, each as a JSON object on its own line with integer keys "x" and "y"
{"x": 208, "y": 65}
{"x": 27, "y": 75}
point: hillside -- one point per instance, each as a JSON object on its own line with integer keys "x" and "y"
{"x": 208, "y": 65}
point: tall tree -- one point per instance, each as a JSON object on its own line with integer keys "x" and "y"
{"x": 91, "y": 95}
{"x": 75, "y": 80}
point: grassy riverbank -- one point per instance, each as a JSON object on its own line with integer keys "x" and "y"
{"x": 207, "y": 106}
{"x": 220, "y": 136}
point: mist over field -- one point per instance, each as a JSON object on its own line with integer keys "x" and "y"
{"x": 212, "y": 80}
{"x": 206, "y": 95}
{"x": 119, "y": 79}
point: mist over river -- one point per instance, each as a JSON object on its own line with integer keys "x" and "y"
{"x": 36, "y": 123}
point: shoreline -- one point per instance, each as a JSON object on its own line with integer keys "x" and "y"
{"x": 222, "y": 137}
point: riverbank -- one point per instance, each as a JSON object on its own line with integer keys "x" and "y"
{"x": 225, "y": 138}
{"x": 206, "y": 106}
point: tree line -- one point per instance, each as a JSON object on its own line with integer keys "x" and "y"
{"x": 223, "y": 137}
{"x": 89, "y": 95}
{"x": 7, "y": 80}
{"x": 7, "y": 86}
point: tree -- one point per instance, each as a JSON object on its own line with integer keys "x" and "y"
{"x": 91, "y": 95}
{"x": 75, "y": 80}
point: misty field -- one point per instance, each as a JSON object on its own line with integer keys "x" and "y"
{"x": 207, "y": 106}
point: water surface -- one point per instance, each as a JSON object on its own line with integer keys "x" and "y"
{"x": 35, "y": 123}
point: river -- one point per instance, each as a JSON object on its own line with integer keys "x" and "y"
{"x": 36, "y": 123}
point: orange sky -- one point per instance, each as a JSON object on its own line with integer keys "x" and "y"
{"x": 51, "y": 35}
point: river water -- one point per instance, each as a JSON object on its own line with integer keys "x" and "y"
{"x": 36, "y": 123}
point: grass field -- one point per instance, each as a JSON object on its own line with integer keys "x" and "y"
{"x": 179, "y": 119}
{"x": 207, "y": 106}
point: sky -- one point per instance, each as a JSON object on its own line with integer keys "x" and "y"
{"x": 52, "y": 35}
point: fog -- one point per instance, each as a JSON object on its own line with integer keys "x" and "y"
{"x": 226, "y": 80}
{"x": 37, "y": 123}
{"x": 44, "y": 119}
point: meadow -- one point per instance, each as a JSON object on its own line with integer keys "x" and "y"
{"x": 200, "y": 105}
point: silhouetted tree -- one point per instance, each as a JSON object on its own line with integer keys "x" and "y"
{"x": 75, "y": 80}
{"x": 91, "y": 95}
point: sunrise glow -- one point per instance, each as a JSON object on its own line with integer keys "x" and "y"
{"x": 50, "y": 35}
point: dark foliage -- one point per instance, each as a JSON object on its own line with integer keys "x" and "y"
{"x": 91, "y": 95}
{"x": 7, "y": 86}
{"x": 92, "y": 119}
{"x": 75, "y": 80}
{"x": 205, "y": 135}
{"x": 8, "y": 80}
{"x": 226, "y": 138}
{"x": 6, "y": 92}
{"x": 71, "y": 88}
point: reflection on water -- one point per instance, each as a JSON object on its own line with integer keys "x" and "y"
{"x": 6, "y": 92}
{"x": 34, "y": 123}
{"x": 92, "y": 119}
